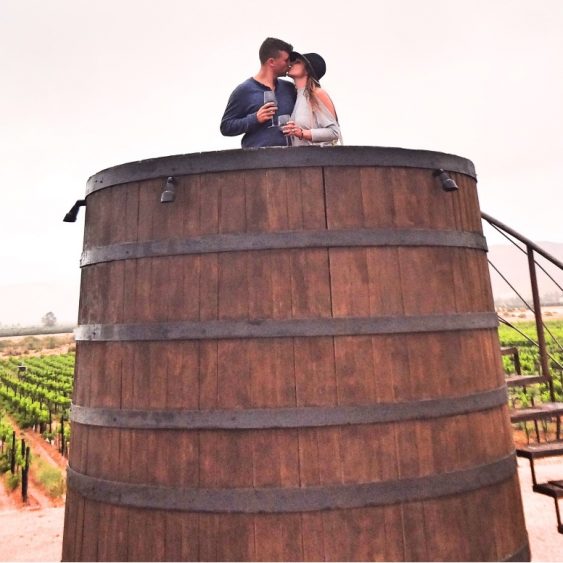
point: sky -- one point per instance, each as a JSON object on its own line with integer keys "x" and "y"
{"x": 89, "y": 85}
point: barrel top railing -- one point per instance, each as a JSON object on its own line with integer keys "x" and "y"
{"x": 276, "y": 157}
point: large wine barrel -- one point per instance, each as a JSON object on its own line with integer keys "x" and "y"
{"x": 297, "y": 359}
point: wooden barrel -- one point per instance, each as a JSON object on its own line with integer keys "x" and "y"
{"x": 296, "y": 359}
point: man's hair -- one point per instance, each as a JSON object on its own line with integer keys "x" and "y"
{"x": 271, "y": 47}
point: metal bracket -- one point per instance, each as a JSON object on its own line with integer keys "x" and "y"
{"x": 71, "y": 216}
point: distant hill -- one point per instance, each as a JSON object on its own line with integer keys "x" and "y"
{"x": 514, "y": 266}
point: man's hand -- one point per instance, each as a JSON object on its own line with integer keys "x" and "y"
{"x": 266, "y": 112}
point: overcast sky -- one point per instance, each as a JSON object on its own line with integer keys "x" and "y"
{"x": 86, "y": 85}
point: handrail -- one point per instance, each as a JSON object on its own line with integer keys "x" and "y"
{"x": 523, "y": 239}
{"x": 532, "y": 247}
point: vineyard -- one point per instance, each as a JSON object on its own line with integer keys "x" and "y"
{"x": 37, "y": 394}
{"x": 34, "y": 394}
{"x": 14, "y": 458}
{"x": 529, "y": 356}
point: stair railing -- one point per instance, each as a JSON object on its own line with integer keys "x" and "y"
{"x": 531, "y": 248}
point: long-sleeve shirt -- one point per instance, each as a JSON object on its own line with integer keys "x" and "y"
{"x": 319, "y": 120}
{"x": 240, "y": 114}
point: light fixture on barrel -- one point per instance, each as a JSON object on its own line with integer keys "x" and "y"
{"x": 169, "y": 193}
{"x": 448, "y": 185}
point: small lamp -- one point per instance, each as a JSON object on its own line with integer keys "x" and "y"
{"x": 448, "y": 185}
{"x": 169, "y": 193}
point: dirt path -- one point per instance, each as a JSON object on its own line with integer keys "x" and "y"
{"x": 6, "y": 501}
{"x": 31, "y": 535}
{"x": 41, "y": 448}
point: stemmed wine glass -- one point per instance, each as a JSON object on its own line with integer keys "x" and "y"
{"x": 283, "y": 120}
{"x": 270, "y": 96}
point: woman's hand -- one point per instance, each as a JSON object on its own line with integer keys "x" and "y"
{"x": 266, "y": 112}
{"x": 293, "y": 129}
{"x": 287, "y": 129}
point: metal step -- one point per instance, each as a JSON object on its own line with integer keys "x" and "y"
{"x": 525, "y": 380}
{"x": 536, "y": 451}
{"x": 545, "y": 410}
{"x": 553, "y": 489}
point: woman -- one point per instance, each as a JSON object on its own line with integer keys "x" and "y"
{"x": 314, "y": 120}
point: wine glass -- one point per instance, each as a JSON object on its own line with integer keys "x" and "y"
{"x": 283, "y": 120}
{"x": 270, "y": 96}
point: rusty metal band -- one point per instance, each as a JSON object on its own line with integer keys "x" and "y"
{"x": 523, "y": 554}
{"x": 304, "y": 417}
{"x": 276, "y": 157}
{"x": 270, "y": 328}
{"x": 301, "y": 499}
{"x": 283, "y": 240}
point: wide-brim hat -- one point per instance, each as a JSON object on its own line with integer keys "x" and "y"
{"x": 315, "y": 63}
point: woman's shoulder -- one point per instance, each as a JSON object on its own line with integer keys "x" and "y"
{"x": 324, "y": 98}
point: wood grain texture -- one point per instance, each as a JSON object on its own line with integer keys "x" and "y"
{"x": 273, "y": 373}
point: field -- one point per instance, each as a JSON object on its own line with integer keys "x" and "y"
{"x": 524, "y": 339}
{"x": 32, "y": 345}
{"x": 34, "y": 429}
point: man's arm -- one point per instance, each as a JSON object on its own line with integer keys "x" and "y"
{"x": 235, "y": 120}
{"x": 238, "y": 118}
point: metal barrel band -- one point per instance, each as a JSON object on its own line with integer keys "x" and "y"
{"x": 304, "y": 499}
{"x": 283, "y": 240}
{"x": 522, "y": 554}
{"x": 286, "y": 328}
{"x": 276, "y": 157}
{"x": 304, "y": 417}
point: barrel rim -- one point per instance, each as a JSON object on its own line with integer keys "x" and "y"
{"x": 276, "y": 157}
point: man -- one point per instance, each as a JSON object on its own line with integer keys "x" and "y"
{"x": 246, "y": 112}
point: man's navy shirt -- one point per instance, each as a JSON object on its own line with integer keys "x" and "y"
{"x": 240, "y": 114}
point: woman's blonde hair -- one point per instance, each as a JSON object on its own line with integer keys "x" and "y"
{"x": 311, "y": 85}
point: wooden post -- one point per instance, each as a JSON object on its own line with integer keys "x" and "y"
{"x": 62, "y": 435}
{"x": 25, "y": 474}
{"x": 13, "y": 454}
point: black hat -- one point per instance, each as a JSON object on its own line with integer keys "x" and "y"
{"x": 315, "y": 63}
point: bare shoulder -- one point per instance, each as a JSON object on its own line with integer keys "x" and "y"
{"x": 325, "y": 99}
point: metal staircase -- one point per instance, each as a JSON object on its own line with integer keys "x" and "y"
{"x": 551, "y": 410}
